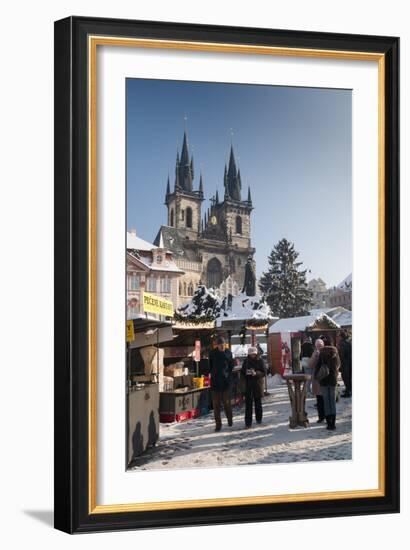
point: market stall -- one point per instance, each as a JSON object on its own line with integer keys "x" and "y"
{"x": 144, "y": 368}
{"x": 185, "y": 393}
{"x": 286, "y": 335}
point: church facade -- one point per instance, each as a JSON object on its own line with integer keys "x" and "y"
{"x": 211, "y": 247}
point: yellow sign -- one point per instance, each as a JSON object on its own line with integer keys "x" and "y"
{"x": 130, "y": 331}
{"x": 155, "y": 304}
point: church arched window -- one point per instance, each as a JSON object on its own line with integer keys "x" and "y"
{"x": 239, "y": 262}
{"x": 238, "y": 225}
{"x": 171, "y": 218}
{"x": 190, "y": 289}
{"x": 185, "y": 289}
{"x": 189, "y": 217}
{"x": 180, "y": 289}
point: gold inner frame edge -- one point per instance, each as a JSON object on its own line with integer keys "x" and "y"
{"x": 93, "y": 42}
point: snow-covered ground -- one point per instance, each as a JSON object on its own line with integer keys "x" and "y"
{"x": 195, "y": 444}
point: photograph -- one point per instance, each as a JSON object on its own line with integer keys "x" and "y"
{"x": 227, "y": 228}
{"x": 239, "y": 269}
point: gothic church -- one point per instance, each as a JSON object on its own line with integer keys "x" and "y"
{"x": 211, "y": 248}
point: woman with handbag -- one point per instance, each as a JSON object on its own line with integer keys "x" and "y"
{"x": 252, "y": 384}
{"x": 326, "y": 372}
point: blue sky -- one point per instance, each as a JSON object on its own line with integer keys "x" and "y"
{"x": 293, "y": 146}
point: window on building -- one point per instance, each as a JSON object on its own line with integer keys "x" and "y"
{"x": 171, "y": 218}
{"x": 239, "y": 262}
{"x": 151, "y": 284}
{"x": 180, "y": 289}
{"x": 182, "y": 215}
{"x": 238, "y": 225}
{"x": 185, "y": 289}
{"x": 189, "y": 217}
{"x": 134, "y": 282}
{"x": 190, "y": 289}
{"x": 133, "y": 308}
{"x": 165, "y": 285}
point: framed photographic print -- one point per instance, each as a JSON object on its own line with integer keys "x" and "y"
{"x": 226, "y": 274}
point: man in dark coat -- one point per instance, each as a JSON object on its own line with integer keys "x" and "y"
{"x": 252, "y": 377}
{"x": 221, "y": 364}
{"x": 345, "y": 352}
{"x": 329, "y": 357}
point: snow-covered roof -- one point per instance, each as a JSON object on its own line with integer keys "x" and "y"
{"x": 339, "y": 314}
{"x": 299, "y": 324}
{"x": 137, "y": 243}
{"x": 206, "y": 303}
{"x": 244, "y": 308}
{"x": 166, "y": 265}
{"x": 343, "y": 318}
{"x": 346, "y": 284}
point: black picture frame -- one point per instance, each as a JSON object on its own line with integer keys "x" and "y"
{"x": 71, "y": 482}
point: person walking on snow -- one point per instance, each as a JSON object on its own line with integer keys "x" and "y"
{"x": 221, "y": 364}
{"x": 330, "y": 361}
{"x": 252, "y": 380}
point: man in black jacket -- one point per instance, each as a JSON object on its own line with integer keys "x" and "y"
{"x": 329, "y": 357}
{"x": 253, "y": 374}
{"x": 221, "y": 364}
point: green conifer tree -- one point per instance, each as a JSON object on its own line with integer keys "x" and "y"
{"x": 284, "y": 284}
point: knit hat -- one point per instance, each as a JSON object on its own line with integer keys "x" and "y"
{"x": 252, "y": 350}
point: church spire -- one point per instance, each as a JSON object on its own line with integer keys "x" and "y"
{"x": 184, "y": 169}
{"x": 201, "y": 185}
{"x": 232, "y": 179}
{"x": 217, "y": 197}
{"x": 226, "y": 183}
{"x": 168, "y": 190}
{"x": 177, "y": 185}
{"x": 184, "y": 152}
{"x": 232, "y": 172}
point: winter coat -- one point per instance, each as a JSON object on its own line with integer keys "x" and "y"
{"x": 221, "y": 364}
{"x": 345, "y": 352}
{"x": 329, "y": 356}
{"x": 254, "y": 384}
{"x": 312, "y": 365}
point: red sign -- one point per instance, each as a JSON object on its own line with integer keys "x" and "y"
{"x": 197, "y": 351}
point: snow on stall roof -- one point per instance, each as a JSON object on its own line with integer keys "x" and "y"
{"x": 206, "y": 302}
{"x": 136, "y": 243}
{"x": 344, "y": 318}
{"x": 339, "y": 314}
{"x": 298, "y": 324}
{"x": 244, "y": 307}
